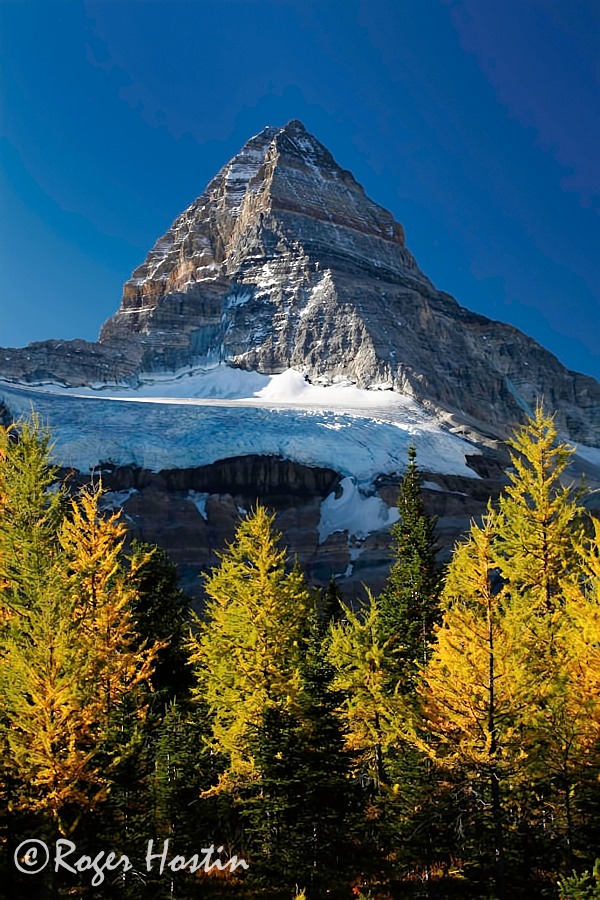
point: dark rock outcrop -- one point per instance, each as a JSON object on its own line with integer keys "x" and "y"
{"x": 193, "y": 513}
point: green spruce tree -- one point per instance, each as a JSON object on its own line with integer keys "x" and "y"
{"x": 162, "y": 614}
{"x": 409, "y": 603}
{"x": 301, "y": 817}
{"x": 331, "y": 605}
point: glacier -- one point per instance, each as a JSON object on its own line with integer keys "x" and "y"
{"x": 194, "y": 418}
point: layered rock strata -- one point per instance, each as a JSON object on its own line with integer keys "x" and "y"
{"x": 284, "y": 262}
{"x": 193, "y": 513}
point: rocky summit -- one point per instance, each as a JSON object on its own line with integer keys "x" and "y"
{"x": 284, "y": 264}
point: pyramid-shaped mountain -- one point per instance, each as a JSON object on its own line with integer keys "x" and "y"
{"x": 284, "y": 262}
{"x": 280, "y": 343}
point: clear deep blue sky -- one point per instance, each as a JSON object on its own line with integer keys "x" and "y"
{"x": 476, "y": 122}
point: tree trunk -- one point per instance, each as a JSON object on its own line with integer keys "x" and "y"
{"x": 498, "y": 837}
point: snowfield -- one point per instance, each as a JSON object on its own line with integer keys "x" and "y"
{"x": 189, "y": 420}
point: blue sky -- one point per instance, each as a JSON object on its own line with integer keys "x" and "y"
{"x": 476, "y": 122}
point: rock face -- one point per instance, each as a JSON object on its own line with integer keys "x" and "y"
{"x": 261, "y": 270}
{"x": 285, "y": 262}
{"x": 72, "y": 363}
{"x": 193, "y": 513}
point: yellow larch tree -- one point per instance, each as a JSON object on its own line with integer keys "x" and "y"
{"x": 375, "y": 715}
{"x": 562, "y": 738}
{"x": 102, "y": 593}
{"x": 540, "y": 522}
{"x": 472, "y": 707}
{"x": 546, "y": 564}
{"x": 247, "y": 649}
{"x": 65, "y": 655}
{"x": 510, "y": 692}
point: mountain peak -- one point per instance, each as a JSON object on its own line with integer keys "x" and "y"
{"x": 285, "y": 146}
{"x": 283, "y": 190}
{"x": 294, "y": 125}
{"x": 284, "y": 262}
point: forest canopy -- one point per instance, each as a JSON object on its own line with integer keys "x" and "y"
{"x": 442, "y": 739}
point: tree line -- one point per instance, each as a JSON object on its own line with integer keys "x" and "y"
{"x": 441, "y": 740}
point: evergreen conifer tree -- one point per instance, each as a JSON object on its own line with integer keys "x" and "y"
{"x": 162, "y": 613}
{"x": 302, "y": 813}
{"x": 409, "y": 603}
{"x": 184, "y": 769}
{"x": 331, "y": 606}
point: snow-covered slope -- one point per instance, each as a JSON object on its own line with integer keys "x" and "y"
{"x": 191, "y": 420}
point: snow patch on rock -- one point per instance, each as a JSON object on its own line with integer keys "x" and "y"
{"x": 355, "y": 513}
{"x": 199, "y": 501}
{"x": 113, "y": 500}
